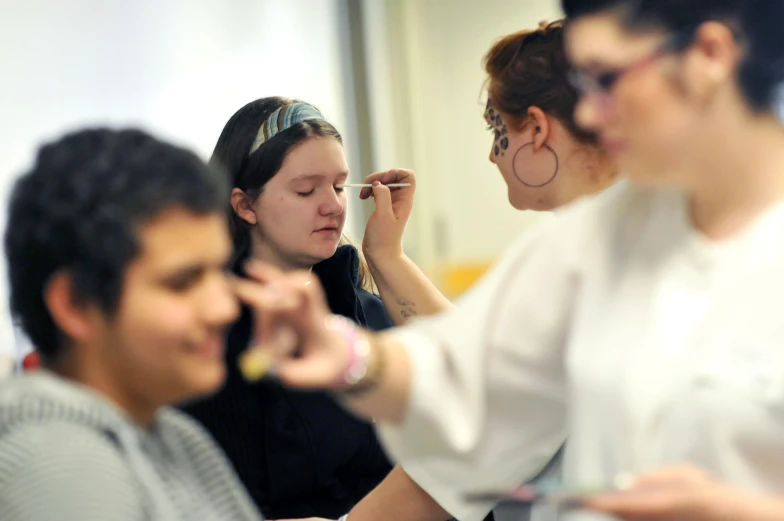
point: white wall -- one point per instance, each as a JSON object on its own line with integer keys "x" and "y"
{"x": 426, "y": 76}
{"x": 179, "y": 68}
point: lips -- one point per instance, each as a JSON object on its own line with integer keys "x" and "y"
{"x": 328, "y": 229}
{"x": 210, "y": 348}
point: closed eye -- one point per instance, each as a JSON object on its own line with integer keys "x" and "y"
{"x": 185, "y": 280}
{"x": 305, "y": 194}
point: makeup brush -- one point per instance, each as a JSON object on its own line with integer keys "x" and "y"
{"x": 360, "y": 185}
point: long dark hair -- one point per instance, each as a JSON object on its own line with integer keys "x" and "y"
{"x": 251, "y": 171}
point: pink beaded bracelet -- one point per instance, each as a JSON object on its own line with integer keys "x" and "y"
{"x": 358, "y": 348}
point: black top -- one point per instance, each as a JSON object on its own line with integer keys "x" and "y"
{"x": 299, "y": 453}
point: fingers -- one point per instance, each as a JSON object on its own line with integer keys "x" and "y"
{"x": 674, "y": 492}
{"x": 293, "y": 298}
{"x": 370, "y": 180}
{"x": 305, "y": 519}
{"x": 676, "y": 475}
{"x": 383, "y": 199}
{"x": 654, "y": 504}
{"x": 281, "y": 284}
{"x": 262, "y": 272}
{"x": 308, "y": 372}
{"x": 300, "y": 288}
{"x": 396, "y": 175}
{"x": 271, "y": 340}
{"x": 263, "y": 296}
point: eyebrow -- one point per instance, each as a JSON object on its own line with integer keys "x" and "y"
{"x": 185, "y": 272}
{"x": 193, "y": 268}
{"x": 593, "y": 66}
{"x": 596, "y": 65}
{"x": 314, "y": 177}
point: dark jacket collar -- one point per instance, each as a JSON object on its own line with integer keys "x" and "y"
{"x": 339, "y": 275}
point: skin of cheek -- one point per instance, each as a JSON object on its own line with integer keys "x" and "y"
{"x": 153, "y": 334}
{"x": 297, "y": 218}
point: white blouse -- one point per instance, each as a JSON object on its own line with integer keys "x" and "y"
{"x": 618, "y": 325}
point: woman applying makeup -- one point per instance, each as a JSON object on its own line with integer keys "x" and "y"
{"x": 546, "y": 160}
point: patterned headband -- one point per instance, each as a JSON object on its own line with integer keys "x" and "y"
{"x": 283, "y": 118}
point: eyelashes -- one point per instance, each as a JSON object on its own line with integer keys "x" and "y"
{"x": 309, "y": 193}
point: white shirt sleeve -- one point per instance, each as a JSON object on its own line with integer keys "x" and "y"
{"x": 487, "y": 405}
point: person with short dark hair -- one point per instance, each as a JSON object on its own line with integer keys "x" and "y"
{"x": 117, "y": 246}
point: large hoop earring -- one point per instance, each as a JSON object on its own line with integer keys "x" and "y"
{"x": 530, "y": 185}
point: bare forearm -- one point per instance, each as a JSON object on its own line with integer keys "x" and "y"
{"x": 398, "y": 497}
{"x": 404, "y": 288}
{"x": 757, "y": 508}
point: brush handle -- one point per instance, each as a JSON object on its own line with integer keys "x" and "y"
{"x": 360, "y": 185}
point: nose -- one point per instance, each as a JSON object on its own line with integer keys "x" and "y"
{"x": 589, "y": 112}
{"x": 333, "y": 203}
{"x": 492, "y": 153}
{"x": 221, "y": 306}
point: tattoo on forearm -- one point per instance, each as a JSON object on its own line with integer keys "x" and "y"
{"x": 409, "y": 308}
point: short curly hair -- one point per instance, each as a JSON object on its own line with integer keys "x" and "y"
{"x": 80, "y": 208}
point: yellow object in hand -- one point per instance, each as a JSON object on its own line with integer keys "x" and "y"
{"x": 255, "y": 363}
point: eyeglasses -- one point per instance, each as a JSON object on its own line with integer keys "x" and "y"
{"x": 603, "y": 84}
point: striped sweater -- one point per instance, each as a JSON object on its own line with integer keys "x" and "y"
{"x": 66, "y": 453}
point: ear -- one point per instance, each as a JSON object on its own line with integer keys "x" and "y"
{"x": 539, "y": 126}
{"x": 711, "y": 61}
{"x": 243, "y": 206}
{"x": 75, "y": 320}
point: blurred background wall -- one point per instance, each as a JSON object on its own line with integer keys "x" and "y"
{"x": 401, "y": 79}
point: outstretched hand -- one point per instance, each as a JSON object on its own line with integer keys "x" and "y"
{"x": 291, "y": 333}
{"x": 677, "y": 493}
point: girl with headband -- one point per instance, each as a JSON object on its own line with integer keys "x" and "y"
{"x": 298, "y": 454}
